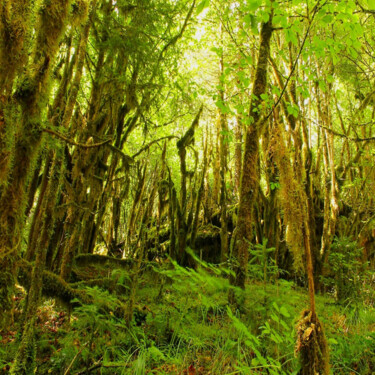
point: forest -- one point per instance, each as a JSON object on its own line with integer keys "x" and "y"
{"x": 187, "y": 187}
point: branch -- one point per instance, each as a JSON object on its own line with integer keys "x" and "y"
{"x": 294, "y": 65}
{"x": 368, "y": 11}
{"x": 151, "y": 143}
{"x": 179, "y": 35}
{"x": 173, "y": 40}
{"x": 126, "y": 158}
{"x": 70, "y": 141}
{"x": 91, "y": 259}
{"x": 74, "y": 358}
{"x": 354, "y": 139}
{"x": 189, "y": 135}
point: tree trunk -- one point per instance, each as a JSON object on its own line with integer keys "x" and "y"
{"x": 249, "y": 183}
{"x": 30, "y": 96}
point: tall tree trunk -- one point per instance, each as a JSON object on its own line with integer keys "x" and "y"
{"x": 223, "y": 143}
{"x": 182, "y": 202}
{"x": 249, "y": 182}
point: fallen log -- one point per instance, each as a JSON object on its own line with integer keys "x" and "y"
{"x": 53, "y": 285}
{"x": 104, "y": 260}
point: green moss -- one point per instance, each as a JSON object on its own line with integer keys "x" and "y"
{"x": 7, "y": 281}
{"x": 53, "y": 16}
{"x": 13, "y": 27}
{"x": 25, "y": 360}
{"x": 53, "y": 285}
{"x": 79, "y": 11}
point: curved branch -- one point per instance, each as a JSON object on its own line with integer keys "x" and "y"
{"x": 70, "y": 141}
{"x": 354, "y": 139}
{"x": 151, "y": 143}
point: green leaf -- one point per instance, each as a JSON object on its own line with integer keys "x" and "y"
{"x": 221, "y": 105}
{"x": 275, "y": 318}
{"x": 247, "y": 19}
{"x": 254, "y": 5}
{"x": 217, "y": 50}
{"x": 202, "y": 5}
{"x": 327, "y": 18}
{"x": 254, "y": 362}
{"x": 284, "y": 312}
{"x": 274, "y": 185}
{"x": 353, "y": 52}
{"x": 253, "y": 22}
{"x": 291, "y": 36}
{"x": 371, "y": 4}
{"x": 265, "y": 17}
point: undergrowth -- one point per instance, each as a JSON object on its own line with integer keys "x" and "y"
{"x": 182, "y": 324}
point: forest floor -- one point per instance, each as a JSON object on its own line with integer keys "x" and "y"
{"x": 183, "y": 325}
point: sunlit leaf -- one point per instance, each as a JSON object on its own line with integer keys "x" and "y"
{"x": 202, "y": 5}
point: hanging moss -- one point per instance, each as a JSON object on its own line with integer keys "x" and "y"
{"x": 291, "y": 197}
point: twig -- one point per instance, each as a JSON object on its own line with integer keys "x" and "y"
{"x": 75, "y": 357}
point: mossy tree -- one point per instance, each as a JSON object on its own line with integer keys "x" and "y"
{"x": 105, "y": 146}
{"x": 249, "y": 172}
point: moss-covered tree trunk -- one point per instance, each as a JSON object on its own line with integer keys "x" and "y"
{"x": 25, "y": 359}
{"x": 182, "y": 225}
{"x": 54, "y": 115}
{"x": 14, "y": 18}
{"x": 200, "y": 193}
{"x": 30, "y": 95}
{"x": 312, "y": 344}
{"x": 249, "y": 181}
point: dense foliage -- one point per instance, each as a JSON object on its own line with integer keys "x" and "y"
{"x": 187, "y": 187}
